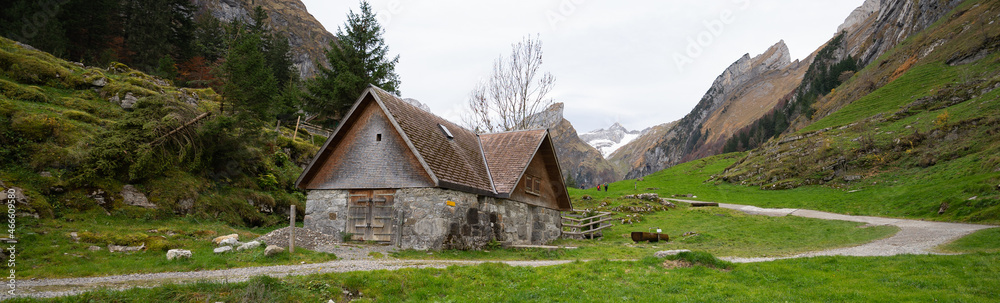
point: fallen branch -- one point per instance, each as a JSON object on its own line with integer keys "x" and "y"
{"x": 196, "y": 119}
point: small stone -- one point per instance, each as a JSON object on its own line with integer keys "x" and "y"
{"x": 100, "y": 82}
{"x": 75, "y": 237}
{"x": 666, "y": 253}
{"x": 178, "y": 254}
{"x": 94, "y": 248}
{"x": 45, "y": 174}
{"x": 129, "y": 101}
{"x": 272, "y": 250}
{"x": 230, "y": 242}
{"x": 218, "y": 240}
{"x": 248, "y": 245}
{"x": 222, "y": 249}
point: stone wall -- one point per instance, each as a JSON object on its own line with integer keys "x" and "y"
{"x": 434, "y": 219}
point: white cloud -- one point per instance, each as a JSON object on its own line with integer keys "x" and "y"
{"x": 613, "y": 60}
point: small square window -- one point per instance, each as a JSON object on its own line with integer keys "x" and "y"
{"x": 378, "y": 138}
{"x": 533, "y": 185}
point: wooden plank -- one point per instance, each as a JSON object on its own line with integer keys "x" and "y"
{"x": 703, "y": 204}
{"x": 589, "y": 224}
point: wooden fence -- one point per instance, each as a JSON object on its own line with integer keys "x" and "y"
{"x": 580, "y": 227}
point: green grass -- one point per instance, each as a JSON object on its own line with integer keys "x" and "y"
{"x": 983, "y": 241}
{"x": 51, "y": 252}
{"x": 722, "y": 232}
{"x": 907, "y": 193}
{"x": 969, "y": 278}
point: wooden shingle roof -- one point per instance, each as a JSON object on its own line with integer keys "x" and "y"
{"x": 457, "y": 162}
{"x": 508, "y": 154}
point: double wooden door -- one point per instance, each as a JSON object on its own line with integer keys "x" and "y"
{"x": 370, "y": 215}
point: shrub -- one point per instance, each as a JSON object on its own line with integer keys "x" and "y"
{"x": 17, "y": 92}
{"x": 35, "y": 127}
{"x": 81, "y": 116}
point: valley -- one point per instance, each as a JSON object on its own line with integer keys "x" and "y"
{"x": 867, "y": 171}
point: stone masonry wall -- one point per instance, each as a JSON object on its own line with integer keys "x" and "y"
{"x": 425, "y": 220}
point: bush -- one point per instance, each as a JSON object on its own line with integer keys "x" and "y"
{"x": 81, "y": 116}
{"x": 17, "y": 92}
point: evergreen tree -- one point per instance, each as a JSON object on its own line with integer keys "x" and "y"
{"x": 250, "y": 85}
{"x": 357, "y": 58}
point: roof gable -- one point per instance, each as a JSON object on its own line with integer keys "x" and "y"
{"x": 367, "y": 153}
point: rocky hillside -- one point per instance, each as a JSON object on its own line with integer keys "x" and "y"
{"x": 748, "y": 89}
{"x": 611, "y": 139}
{"x": 308, "y": 38}
{"x": 754, "y": 88}
{"x": 579, "y": 161}
{"x": 922, "y": 119}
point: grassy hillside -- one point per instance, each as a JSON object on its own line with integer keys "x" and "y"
{"x": 924, "y": 141}
{"x": 75, "y": 136}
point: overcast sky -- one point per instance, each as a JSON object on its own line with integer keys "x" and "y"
{"x": 641, "y": 63}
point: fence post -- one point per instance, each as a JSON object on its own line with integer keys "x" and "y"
{"x": 291, "y": 231}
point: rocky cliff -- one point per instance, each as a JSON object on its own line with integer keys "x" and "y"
{"x": 577, "y": 159}
{"x": 744, "y": 92}
{"x": 308, "y": 38}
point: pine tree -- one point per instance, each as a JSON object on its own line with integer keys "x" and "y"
{"x": 357, "y": 58}
{"x": 250, "y": 85}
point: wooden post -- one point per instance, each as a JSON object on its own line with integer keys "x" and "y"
{"x": 296, "y": 134}
{"x": 291, "y": 231}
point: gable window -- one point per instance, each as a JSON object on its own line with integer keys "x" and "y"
{"x": 533, "y": 185}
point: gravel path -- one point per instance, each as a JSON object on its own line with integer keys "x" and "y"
{"x": 47, "y": 288}
{"x": 914, "y": 236}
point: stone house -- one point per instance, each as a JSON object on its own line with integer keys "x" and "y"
{"x": 394, "y": 173}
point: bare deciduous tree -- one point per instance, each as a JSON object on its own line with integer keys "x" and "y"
{"x": 515, "y": 91}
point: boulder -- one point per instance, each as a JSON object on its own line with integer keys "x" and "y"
{"x": 132, "y": 196}
{"x": 100, "y": 82}
{"x": 248, "y": 245}
{"x": 230, "y": 242}
{"x": 273, "y": 250}
{"x": 222, "y": 249}
{"x": 218, "y": 240}
{"x": 178, "y": 254}
{"x": 665, "y": 253}
{"x": 129, "y": 101}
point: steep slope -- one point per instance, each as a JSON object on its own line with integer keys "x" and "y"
{"x": 924, "y": 133}
{"x": 579, "y": 161}
{"x": 308, "y": 38}
{"x": 745, "y": 91}
{"x": 611, "y": 139}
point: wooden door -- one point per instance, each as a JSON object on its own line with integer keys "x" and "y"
{"x": 370, "y": 215}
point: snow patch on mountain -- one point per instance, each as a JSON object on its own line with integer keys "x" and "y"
{"x": 609, "y": 140}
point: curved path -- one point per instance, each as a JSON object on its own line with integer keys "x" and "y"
{"x": 914, "y": 237}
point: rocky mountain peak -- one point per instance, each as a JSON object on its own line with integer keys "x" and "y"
{"x": 774, "y": 58}
{"x": 859, "y": 15}
{"x": 547, "y": 118}
{"x": 609, "y": 140}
